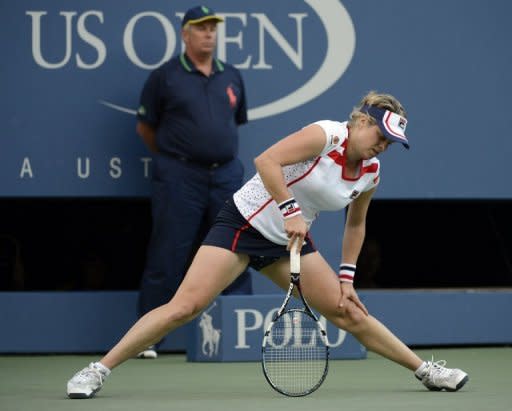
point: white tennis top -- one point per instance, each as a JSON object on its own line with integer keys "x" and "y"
{"x": 318, "y": 185}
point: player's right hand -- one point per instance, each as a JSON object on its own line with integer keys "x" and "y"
{"x": 296, "y": 230}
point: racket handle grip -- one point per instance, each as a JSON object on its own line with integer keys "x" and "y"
{"x": 294, "y": 258}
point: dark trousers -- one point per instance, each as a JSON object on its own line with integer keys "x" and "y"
{"x": 185, "y": 201}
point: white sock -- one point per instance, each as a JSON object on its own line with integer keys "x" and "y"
{"x": 419, "y": 372}
{"x": 104, "y": 370}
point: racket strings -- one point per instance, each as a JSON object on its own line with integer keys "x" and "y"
{"x": 295, "y": 356}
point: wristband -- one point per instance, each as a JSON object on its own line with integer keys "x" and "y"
{"x": 289, "y": 208}
{"x": 347, "y": 272}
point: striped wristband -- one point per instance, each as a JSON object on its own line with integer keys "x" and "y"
{"x": 289, "y": 208}
{"x": 347, "y": 272}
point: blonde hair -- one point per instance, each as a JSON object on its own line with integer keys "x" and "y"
{"x": 381, "y": 100}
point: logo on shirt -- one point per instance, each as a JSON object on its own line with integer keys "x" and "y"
{"x": 354, "y": 194}
{"x": 231, "y": 95}
{"x": 335, "y": 140}
{"x": 291, "y": 208}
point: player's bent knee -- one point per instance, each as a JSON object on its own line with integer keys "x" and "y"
{"x": 350, "y": 317}
{"x": 355, "y": 314}
{"x": 181, "y": 313}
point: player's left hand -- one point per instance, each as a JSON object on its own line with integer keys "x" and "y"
{"x": 348, "y": 293}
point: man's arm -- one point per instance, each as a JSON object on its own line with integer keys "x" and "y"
{"x": 147, "y": 133}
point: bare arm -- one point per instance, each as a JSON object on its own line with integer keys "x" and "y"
{"x": 355, "y": 227}
{"x": 353, "y": 238}
{"x": 299, "y": 146}
{"x": 147, "y": 133}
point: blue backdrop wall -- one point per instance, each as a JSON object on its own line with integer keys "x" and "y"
{"x": 72, "y": 73}
{"x": 450, "y": 317}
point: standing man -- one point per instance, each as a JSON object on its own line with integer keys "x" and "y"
{"x": 190, "y": 110}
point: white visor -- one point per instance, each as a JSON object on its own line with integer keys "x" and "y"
{"x": 391, "y": 124}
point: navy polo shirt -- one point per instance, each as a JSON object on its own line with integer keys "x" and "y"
{"x": 195, "y": 116}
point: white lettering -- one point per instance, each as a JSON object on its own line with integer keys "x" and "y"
{"x": 292, "y": 329}
{"x": 83, "y": 167}
{"x": 36, "y": 38}
{"x": 243, "y": 327}
{"x": 180, "y": 16}
{"x": 115, "y": 167}
{"x": 223, "y": 39}
{"x": 341, "y": 333}
{"x": 297, "y": 331}
{"x": 341, "y": 40}
{"x": 282, "y": 339}
{"x": 81, "y": 173}
{"x": 129, "y": 47}
{"x": 26, "y": 168}
{"x": 269, "y": 317}
{"x": 334, "y": 18}
{"x": 265, "y": 25}
{"x": 92, "y": 40}
{"x": 146, "y": 161}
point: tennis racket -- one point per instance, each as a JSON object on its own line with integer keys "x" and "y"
{"x": 295, "y": 351}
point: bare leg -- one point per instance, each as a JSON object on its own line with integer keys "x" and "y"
{"x": 212, "y": 270}
{"x": 322, "y": 290}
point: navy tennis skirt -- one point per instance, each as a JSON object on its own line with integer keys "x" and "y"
{"x": 232, "y": 232}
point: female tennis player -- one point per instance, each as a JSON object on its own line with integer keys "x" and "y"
{"x": 327, "y": 165}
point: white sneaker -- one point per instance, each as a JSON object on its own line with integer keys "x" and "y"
{"x": 149, "y": 353}
{"x": 436, "y": 377}
{"x": 87, "y": 382}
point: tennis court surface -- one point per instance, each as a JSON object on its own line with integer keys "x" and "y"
{"x": 171, "y": 383}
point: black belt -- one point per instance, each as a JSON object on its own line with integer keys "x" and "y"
{"x": 208, "y": 166}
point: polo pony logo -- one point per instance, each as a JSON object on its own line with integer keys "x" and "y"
{"x": 210, "y": 335}
{"x": 232, "y": 96}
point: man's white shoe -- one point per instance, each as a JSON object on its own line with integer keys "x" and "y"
{"x": 436, "y": 377}
{"x": 87, "y": 382}
{"x": 149, "y": 353}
